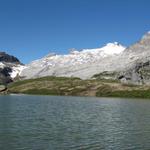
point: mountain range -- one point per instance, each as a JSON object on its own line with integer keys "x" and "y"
{"x": 113, "y": 61}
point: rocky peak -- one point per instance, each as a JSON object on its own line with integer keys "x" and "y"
{"x": 10, "y": 66}
{"x": 4, "y": 57}
{"x": 142, "y": 47}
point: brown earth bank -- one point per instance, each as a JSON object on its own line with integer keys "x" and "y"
{"x": 77, "y": 87}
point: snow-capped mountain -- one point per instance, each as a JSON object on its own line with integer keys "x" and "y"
{"x": 115, "y": 61}
{"x": 83, "y": 64}
{"x": 10, "y": 67}
{"x": 130, "y": 64}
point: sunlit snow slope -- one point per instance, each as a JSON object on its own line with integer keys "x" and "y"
{"x": 83, "y": 64}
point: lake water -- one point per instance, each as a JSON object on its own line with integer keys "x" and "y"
{"x": 73, "y": 123}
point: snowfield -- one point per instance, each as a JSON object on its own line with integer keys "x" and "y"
{"x": 77, "y": 63}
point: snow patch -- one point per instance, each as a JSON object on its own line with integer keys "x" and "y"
{"x": 2, "y": 65}
{"x": 16, "y": 70}
{"x": 108, "y": 49}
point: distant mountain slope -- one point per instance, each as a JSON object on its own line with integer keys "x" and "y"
{"x": 83, "y": 64}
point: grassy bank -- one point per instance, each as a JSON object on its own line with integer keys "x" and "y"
{"x": 78, "y": 87}
{"x": 107, "y": 91}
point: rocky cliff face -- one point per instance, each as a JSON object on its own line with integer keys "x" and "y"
{"x": 137, "y": 62}
{"x": 8, "y": 58}
{"x": 8, "y": 66}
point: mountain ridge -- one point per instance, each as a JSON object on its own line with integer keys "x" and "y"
{"x": 112, "y": 61}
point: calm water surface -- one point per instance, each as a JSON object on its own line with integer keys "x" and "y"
{"x": 73, "y": 123}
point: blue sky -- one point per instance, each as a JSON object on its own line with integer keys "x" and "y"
{"x": 30, "y": 29}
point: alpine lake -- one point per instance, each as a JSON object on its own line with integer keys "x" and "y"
{"x": 29, "y": 122}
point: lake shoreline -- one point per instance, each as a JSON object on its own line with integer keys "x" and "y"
{"x": 63, "y": 86}
{"x": 21, "y": 94}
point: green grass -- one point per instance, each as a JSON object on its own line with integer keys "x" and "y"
{"x": 49, "y": 86}
{"x": 129, "y": 85}
{"x": 123, "y": 93}
{"x": 54, "y": 91}
{"x": 108, "y": 80}
{"x": 49, "y": 78}
{"x": 43, "y": 92}
{"x": 77, "y": 87}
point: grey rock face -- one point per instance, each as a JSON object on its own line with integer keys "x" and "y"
{"x": 8, "y": 58}
{"x": 137, "y": 62}
{"x": 138, "y": 74}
